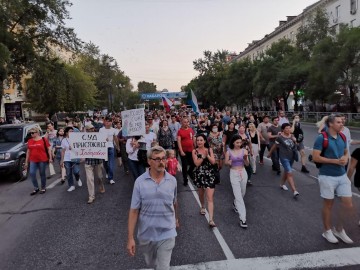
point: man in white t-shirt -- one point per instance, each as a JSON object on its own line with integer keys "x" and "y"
{"x": 149, "y": 136}
{"x": 111, "y": 138}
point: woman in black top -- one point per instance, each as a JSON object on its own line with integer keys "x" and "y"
{"x": 228, "y": 134}
{"x": 355, "y": 165}
{"x": 255, "y": 145}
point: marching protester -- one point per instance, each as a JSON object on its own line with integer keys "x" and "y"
{"x": 248, "y": 146}
{"x": 286, "y": 144}
{"x": 172, "y": 163}
{"x": 174, "y": 126}
{"x": 165, "y": 136}
{"x": 255, "y": 145}
{"x": 273, "y": 132}
{"x": 204, "y": 175}
{"x": 112, "y": 139}
{"x": 132, "y": 148}
{"x": 355, "y": 167}
{"x": 71, "y": 165}
{"x": 236, "y": 157}
{"x": 186, "y": 141}
{"x": 215, "y": 141}
{"x": 282, "y": 118}
{"x": 264, "y": 137}
{"x": 93, "y": 166}
{"x": 228, "y": 134}
{"x": 124, "y": 155}
{"x": 156, "y": 222}
{"x": 38, "y": 155}
{"x": 299, "y": 136}
{"x": 56, "y": 151}
{"x": 333, "y": 178}
{"x": 117, "y": 127}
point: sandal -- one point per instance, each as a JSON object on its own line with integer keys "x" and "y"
{"x": 202, "y": 211}
{"x": 34, "y": 192}
{"x": 212, "y": 224}
{"x": 62, "y": 181}
{"x": 42, "y": 191}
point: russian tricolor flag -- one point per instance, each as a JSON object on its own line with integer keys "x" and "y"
{"x": 167, "y": 103}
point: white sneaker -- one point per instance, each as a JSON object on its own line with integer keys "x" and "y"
{"x": 328, "y": 235}
{"x": 79, "y": 183}
{"x": 343, "y": 236}
{"x": 296, "y": 194}
{"x": 284, "y": 187}
{"x": 112, "y": 182}
{"x": 71, "y": 188}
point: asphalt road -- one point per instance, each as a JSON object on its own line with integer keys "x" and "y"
{"x": 59, "y": 230}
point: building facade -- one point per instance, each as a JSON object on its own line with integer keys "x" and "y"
{"x": 338, "y": 11}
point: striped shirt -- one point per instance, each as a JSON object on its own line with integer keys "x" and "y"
{"x": 155, "y": 203}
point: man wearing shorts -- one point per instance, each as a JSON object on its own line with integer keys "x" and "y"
{"x": 333, "y": 179}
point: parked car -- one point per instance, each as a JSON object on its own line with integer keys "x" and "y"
{"x": 13, "y": 147}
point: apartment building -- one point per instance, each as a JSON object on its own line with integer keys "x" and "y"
{"x": 339, "y": 12}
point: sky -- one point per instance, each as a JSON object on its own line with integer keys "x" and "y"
{"x": 158, "y": 40}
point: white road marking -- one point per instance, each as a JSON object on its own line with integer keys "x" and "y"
{"x": 227, "y": 251}
{"x": 53, "y": 184}
{"x": 321, "y": 259}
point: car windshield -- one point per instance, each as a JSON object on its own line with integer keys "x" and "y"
{"x": 10, "y": 135}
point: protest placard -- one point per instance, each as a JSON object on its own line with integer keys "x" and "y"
{"x": 88, "y": 145}
{"x": 133, "y": 122}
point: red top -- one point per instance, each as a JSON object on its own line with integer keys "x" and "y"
{"x": 37, "y": 150}
{"x": 172, "y": 166}
{"x": 187, "y": 139}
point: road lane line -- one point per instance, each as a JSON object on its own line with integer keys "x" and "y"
{"x": 224, "y": 246}
{"x": 53, "y": 184}
{"x": 321, "y": 259}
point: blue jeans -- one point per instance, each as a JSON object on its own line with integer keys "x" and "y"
{"x": 72, "y": 168}
{"x": 110, "y": 163}
{"x": 136, "y": 168}
{"x": 34, "y": 166}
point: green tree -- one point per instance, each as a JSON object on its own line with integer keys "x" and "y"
{"x": 30, "y": 29}
{"x": 33, "y": 28}
{"x": 55, "y": 86}
{"x": 315, "y": 29}
{"x": 348, "y": 62}
{"x": 146, "y": 87}
{"x": 113, "y": 85}
{"x": 238, "y": 86}
{"x": 212, "y": 70}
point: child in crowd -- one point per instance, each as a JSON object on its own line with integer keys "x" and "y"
{"x": 172, "y": 164}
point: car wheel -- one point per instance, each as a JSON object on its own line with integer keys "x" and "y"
{"x": 22, "y": 173}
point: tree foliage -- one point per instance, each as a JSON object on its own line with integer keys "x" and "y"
{"x": 55, "y": 86}
{"x": 30, "y": 28}
{"x": 146, "y": 87}
{"x": 321, "y": 64}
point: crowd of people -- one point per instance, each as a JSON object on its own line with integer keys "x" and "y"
{"x": 199, "y": 146}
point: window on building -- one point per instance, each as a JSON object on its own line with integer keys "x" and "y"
{"x": 353, "y": 23}
{"x": 353, "y": 6}
{"x": 337, "y": 12}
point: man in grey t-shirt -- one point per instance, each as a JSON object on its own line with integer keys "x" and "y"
{"x": 264, "y": 138}
{"x": 273, "y": 133}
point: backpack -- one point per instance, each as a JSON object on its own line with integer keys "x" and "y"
{"x": 325, "y": 145}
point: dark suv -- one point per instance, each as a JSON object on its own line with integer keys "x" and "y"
{"x": 13, "y": 147}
